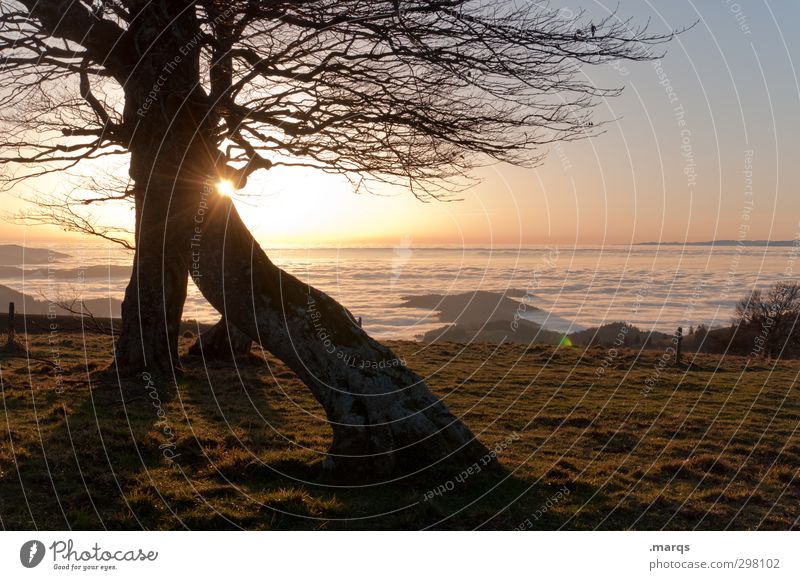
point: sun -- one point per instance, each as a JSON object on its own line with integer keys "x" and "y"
{"x": 226, "y": 187}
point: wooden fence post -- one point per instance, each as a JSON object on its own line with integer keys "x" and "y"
{"x": 11, "y": 325}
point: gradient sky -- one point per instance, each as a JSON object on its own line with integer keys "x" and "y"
{"x": 733, "y": 76}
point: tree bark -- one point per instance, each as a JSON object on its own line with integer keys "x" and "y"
{"x": 170, "y": 127}
{"x": 153, "y": 305}
{"x": 381, "y": 413}
{"x": 222, "y": 341}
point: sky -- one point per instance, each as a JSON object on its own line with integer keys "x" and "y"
{"x": 702, "y": 145}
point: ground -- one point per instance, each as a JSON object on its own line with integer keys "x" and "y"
{"x": 587, "y": 439}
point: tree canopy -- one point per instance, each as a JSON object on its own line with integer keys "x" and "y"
{"x": 410, "y": 93}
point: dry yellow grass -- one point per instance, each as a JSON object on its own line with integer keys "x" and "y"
{"x": 712, "y": 447}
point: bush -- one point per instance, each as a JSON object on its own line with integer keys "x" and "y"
{"x": 767, "y": 323}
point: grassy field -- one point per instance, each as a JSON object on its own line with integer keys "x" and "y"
{"x": 636, "y": 446}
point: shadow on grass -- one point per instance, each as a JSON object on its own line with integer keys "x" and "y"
{"x": 225, "y": 448}
{"x": 275, "y": 470}
{"x": 80, "y": 452}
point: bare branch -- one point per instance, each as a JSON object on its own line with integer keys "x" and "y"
{"x": 413, "y": 94}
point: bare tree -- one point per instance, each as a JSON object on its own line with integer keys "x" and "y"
{"x": 769, "y": 322}
{"x": 188, "y": 92}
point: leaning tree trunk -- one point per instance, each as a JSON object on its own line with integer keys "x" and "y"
{"x": 380, "y": 411}
{"x": 222, "y": 341}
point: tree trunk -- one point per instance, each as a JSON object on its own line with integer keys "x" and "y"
{"x": 222, "y": 341}
{"x": 168, "y": 118}
{"x": 381, "y": 413}
{"x": 153, "y": 305}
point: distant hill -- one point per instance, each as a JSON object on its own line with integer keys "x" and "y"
{"x": 723, "y": 243}
{"x": 25, "y": 304}
{"x": 472, "y": 308}
{"x": 13, "y": 255}
{"x": 97, "y": 272}
{"x": 619, "y": 334}
{"x": 496, "y": 332}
